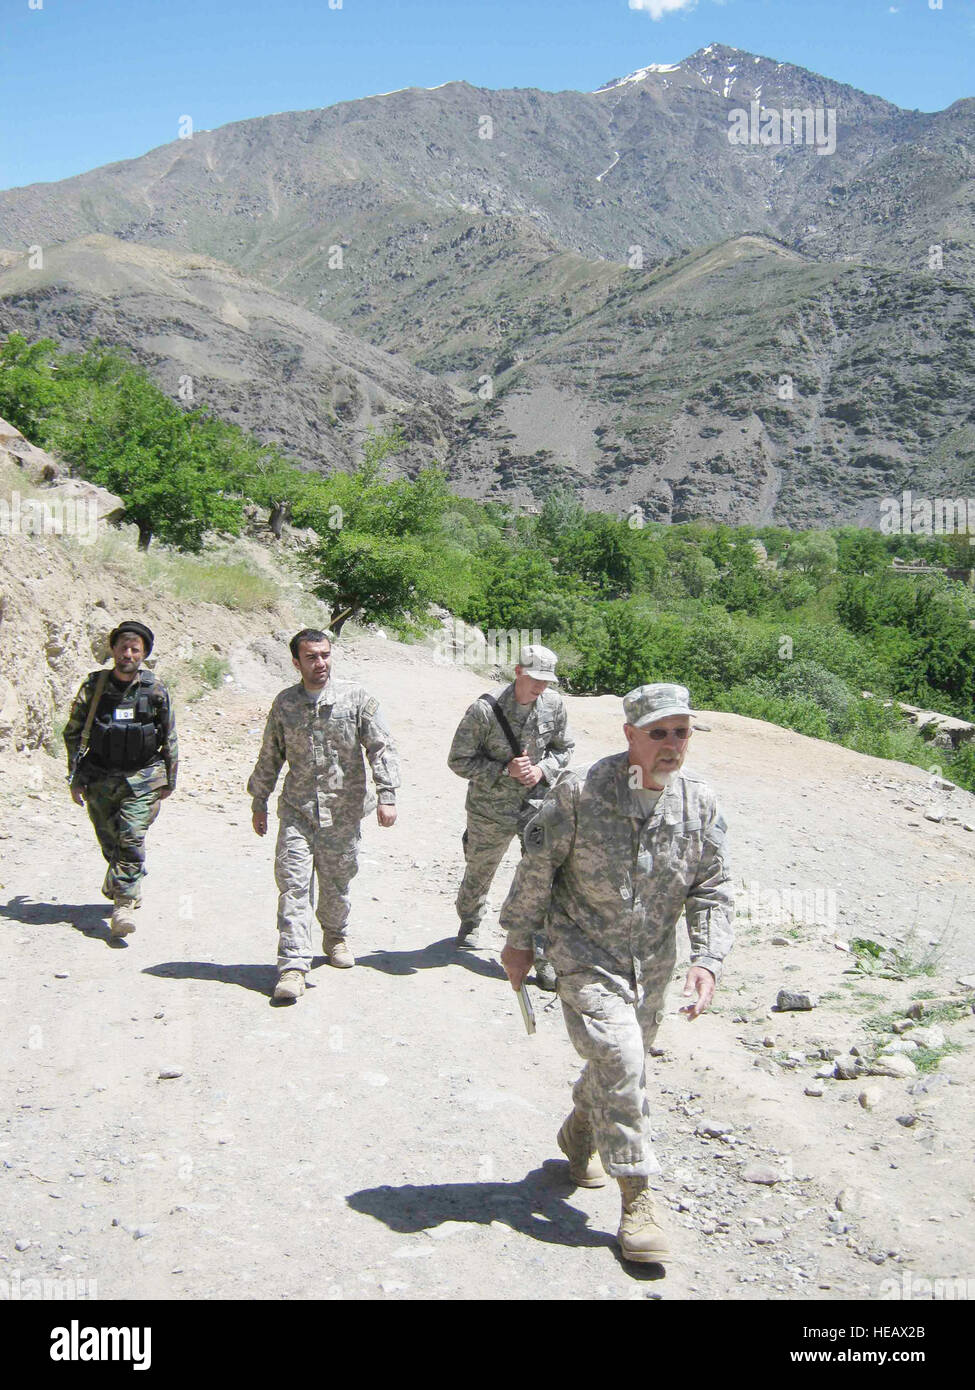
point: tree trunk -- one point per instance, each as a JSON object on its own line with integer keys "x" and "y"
{"x": 145, "y": 535}
{"x": 340, "y": 615}
{"x": 280, "y": 513}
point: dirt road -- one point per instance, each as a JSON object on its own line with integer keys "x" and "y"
{"x": 393, "y": 1134}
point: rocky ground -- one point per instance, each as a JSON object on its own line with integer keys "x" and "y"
{"x": 171, "y": 1133}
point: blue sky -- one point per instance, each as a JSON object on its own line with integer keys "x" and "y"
{"x": 85, "y": 82}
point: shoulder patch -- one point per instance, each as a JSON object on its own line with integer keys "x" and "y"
{"x": 371, "y": 706}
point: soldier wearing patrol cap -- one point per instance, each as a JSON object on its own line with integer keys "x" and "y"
{"x": 617, "y": 852}
{"x": 511, "y": 749}
{"x": 122, "y": 762}
{"x": 319, "y": 727}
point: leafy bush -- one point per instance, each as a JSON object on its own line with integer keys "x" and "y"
{"x": 808, "y": 681}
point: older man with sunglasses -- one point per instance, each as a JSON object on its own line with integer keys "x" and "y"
{"x": 617, "y": 852}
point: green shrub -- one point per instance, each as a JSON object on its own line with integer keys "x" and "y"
{"x": 804, "y": 716}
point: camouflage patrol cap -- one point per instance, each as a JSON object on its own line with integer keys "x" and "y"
{"x": 648, "y": 703}
{"x": 539, "y": 663}
{"x": 140, "y": 630}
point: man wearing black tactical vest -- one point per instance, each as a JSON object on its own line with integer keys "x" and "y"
{"x": 122, "y": 761}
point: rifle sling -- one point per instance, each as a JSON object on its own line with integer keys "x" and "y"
{"x": 506, "y": 729}
{"x": 99, "y": 691}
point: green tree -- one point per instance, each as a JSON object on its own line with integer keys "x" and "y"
{"x": 380, "y": 551}
{"x": 813, "y": 554}
{"x": 142, "y": 447}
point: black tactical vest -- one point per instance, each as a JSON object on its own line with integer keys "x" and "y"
{"x": 124, "y": 737}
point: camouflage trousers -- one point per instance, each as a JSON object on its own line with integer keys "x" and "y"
{"x": 485, "y": 845}
{"x": 304, "y": 849}
{"x": 612, "y": 1026}
{"x": 121, "y": 820}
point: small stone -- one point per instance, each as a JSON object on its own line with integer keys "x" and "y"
{"x": 822, "y": 1073}
{"x": 928, "y": 1084}
{"x": 61, "y": 975}
{"x": 813, "y": 1089}
{"x": 780, "y": 941}
{"x": 714, "y": 1129}
{"x": 898, "y": 1065}
{"x": 846, "y": 1068}
{"x": 929, "y": 1036}
{"x": 836, "y": 1225}
{"x": 140, "y": 1232}
{"x": 22, "y": 1244}
{"x": 769, "y": 1235}
{"x": 789, "y": 1000}
{"x": 169, "y": 1073}
{"x": 768, "y": 1042}
{"x": 766, "y": 1173}
{"x": 848, "y": 1199}
{"x": 870, "y": 1097}
{"x": 908, "y": 1121}
{"x": 900, "y": 1046}
{"x": 934, "y": 814}
{"x": 902, "y": 1025}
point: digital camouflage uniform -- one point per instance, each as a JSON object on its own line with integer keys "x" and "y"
{"x": 611, "y": 887}
{"x": 498, "y": 806}
{"x": 123, "y": 804}
{"x": 324, "y": 797}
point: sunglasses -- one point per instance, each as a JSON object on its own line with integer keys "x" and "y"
{"x": 658, "y": 735}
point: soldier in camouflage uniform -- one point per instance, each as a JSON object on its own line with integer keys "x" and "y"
{"x": 129, "y": 767}
{"x": 614, "y": 856}
{"x": 319, "y": 727}
{"x": 506, "y": 789}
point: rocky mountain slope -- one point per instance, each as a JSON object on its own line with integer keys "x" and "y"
{"x": 214, "y": 337}
{"x": 630, "y": 281}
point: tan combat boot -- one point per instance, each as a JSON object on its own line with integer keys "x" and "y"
{"x": 642, "y": 1239}
{"x": 290, "y": 985}
{"x": 340, "y": 955}
{"x": 576, "y": 1142}
{"x": 123, "y": 918}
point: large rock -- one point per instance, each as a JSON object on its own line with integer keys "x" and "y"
{"x": 40, "y": 466}
{"x": 796, "y": 999}
{"x": 9, "y": 710}
{"x": 898, "y": 1065}
{"x": 107, "y": 506}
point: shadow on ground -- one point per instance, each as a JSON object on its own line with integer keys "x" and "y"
{"x": 259, "y": 978}
{"x": 88, "y": 918}
{"x": 537, "y": 1206}
{"x": 433, "y": 957}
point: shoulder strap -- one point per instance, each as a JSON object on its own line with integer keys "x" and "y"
{"x": 499, "y": 715}
{"x": 99, "y": 691}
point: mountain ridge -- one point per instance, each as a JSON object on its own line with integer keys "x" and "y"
{"x": 471, "y": 230}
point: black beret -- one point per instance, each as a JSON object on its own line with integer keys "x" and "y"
{"x": 140, "y": 630}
